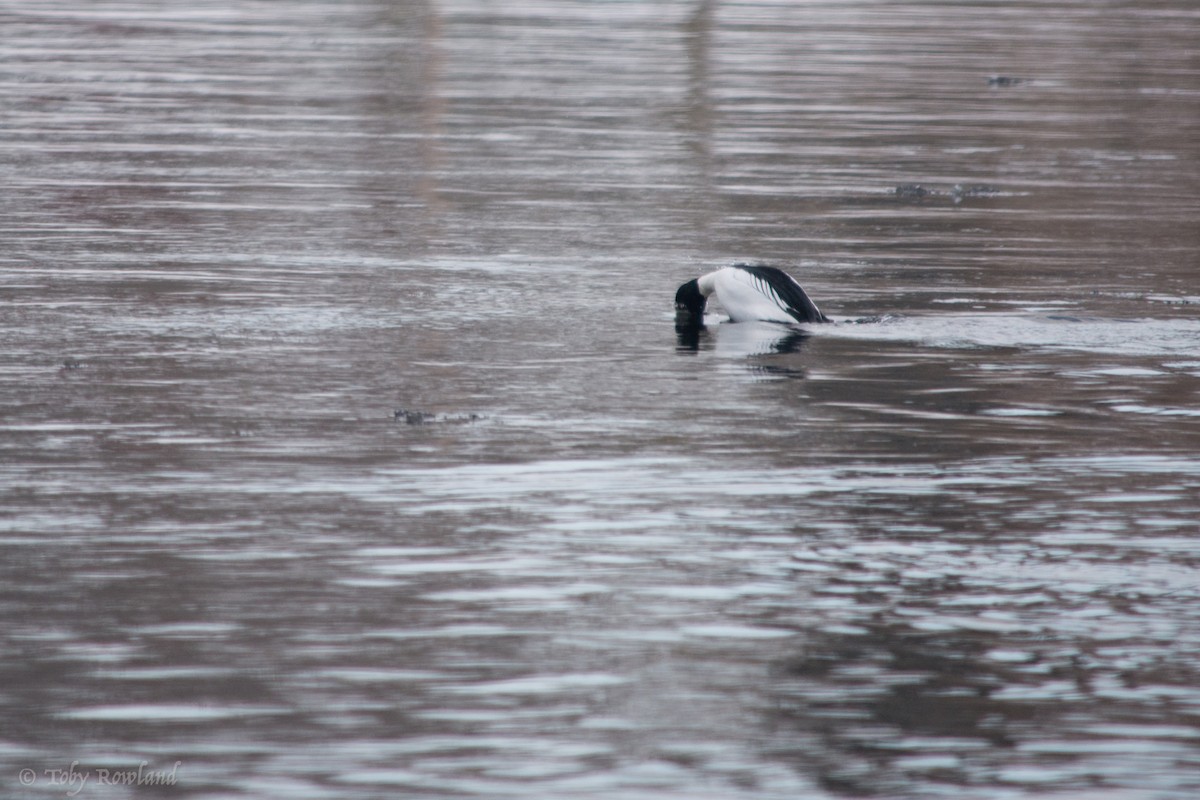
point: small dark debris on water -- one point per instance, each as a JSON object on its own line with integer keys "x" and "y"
{"x": 413, "y": 417}
{"x": 1005, "y": 81}
{"x": 915, "y": 191}
{"x": 409, "y": 417}
{"x": 912, "y": 191}
{"x": 70, "y": 364}
{"x": 960, "y": 192}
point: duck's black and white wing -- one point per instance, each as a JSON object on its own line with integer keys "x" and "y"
{"x": 749, "y": 292}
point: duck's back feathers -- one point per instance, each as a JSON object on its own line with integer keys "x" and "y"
{"x": 752, "y": 292}
{"x": 784, "y": 289}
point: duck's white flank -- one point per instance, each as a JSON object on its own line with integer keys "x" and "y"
{"x": 746, "y": 296}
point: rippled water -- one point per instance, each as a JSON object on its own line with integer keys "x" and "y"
{"x": 349, "y": 450}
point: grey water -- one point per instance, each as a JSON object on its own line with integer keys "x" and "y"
{"x": 348, "y": 448}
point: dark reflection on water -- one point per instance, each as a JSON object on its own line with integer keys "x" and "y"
{"x": 349, "y": 450}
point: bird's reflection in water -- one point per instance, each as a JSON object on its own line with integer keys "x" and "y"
{"x": 690, "y": 337}
{"x": 744, "y": 340}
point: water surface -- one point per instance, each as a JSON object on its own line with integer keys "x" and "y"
{"x": 349, "y": 450}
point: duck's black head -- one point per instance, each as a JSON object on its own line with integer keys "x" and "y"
{"x": 689, "y": 303}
